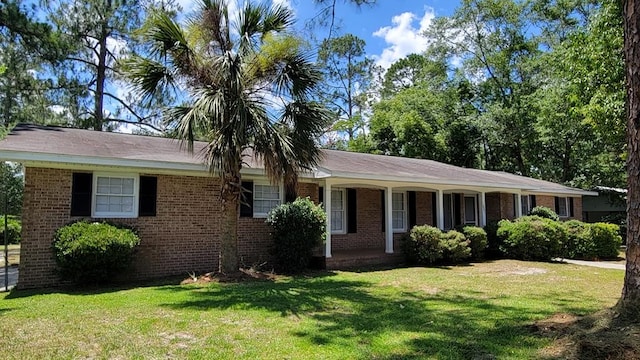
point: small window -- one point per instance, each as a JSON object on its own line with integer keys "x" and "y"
{"x": 265, "y": 198}
{"x": 399, "y": 211}
{"x": 563, "y": 207}
{"x": 115, "y": 196}
{"x": 470, "y": 210}
{"x": 338, "y": 211}
{"x": 526, "y": 204}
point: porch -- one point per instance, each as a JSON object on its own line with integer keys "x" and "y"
{"x": 356, "y": 258}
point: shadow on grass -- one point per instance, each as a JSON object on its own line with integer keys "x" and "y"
{"x": 385, "y": 322}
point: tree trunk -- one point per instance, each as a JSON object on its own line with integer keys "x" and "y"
{"x": 630, "y": 301}
{"x": 230, "y": 195}
{"x": 98, "y": 118}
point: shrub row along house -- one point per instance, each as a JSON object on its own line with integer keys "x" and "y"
{"x": 171, "y": 198}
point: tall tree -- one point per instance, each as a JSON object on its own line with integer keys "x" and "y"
{"x": 29, "y": 48}
{"x": 348, "y": 75}
{"x": 102, "y": 31}
{"x": 233, "y": 69}
{"x": 630, "y": 300}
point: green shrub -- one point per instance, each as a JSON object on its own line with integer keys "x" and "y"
{"x": 532, "y": 238}
{"x": 455, "y": 247}
{"x": 606, "y": 240}
{"x": 544, "y": 212}
{"x": 478, "y": 242}
{"x": 494, "y": 242}
{"x": 89, "y": 252}
{"x": 296, "y": 228}
{"x": 578, "y": 244}
{"x": 14, "y": 230}
{"x": 422, "y": 245}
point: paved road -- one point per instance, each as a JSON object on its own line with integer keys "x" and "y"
{"x": 13, "y": 277}
{"x": 598, "y": 264}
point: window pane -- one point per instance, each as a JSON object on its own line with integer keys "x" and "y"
{"x": 127, "y": 186}
{"x": 469, "y": 209}
{"x": 397, "y": 200}
{"x": 265, "y": 198}
{"x": 398, "y": 219}
{"x": 525, "y": 204}
{"x": 337, "y": 220}
{"x": 337, "y": 199}
{"x": 562, "y": 206}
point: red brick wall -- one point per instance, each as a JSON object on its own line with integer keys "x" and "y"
{"x": 550, "y": 202}
{"x": 181, "y": 238}
{"x": 369, "y": 219}
{"x": 254, "y": 240}
{"x": 507, "y": 206}
{"x": 424, "y": 208}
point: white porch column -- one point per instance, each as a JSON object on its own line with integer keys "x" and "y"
{"x": 483, "y": 209}
{"x": 327, "y": 209}
{"x": 440, "y": 209}
{"x": 389, "y": 220}
{"x": 518, "y": 206}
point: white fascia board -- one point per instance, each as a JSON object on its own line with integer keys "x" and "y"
{"x": 569, "y": 192}
{"x": 428, "y": 181}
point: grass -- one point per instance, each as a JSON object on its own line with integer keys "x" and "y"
{"x": 483, "y": 311}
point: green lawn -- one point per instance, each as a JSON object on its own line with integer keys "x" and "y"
{"x": 480, "y": 311}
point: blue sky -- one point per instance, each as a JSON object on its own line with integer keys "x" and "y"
{"x": 390, "y": 28}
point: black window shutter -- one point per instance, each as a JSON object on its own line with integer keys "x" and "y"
{"x": 457, "y": 209}
{"x": 570, "y": 207}
{"x": 411, "y": 200}
{"x": 81, "y": 186}
{"x": 532, "y": 198}
{"x": 352, "y": 212}
{"x": 320, "y": 195}
{"x": 384, "y": 223}
{"x": 148, "y": 195}
{"x": 557, "y": 204}
{"x": 246, "y": 203}
{"x": 434, "y": 209}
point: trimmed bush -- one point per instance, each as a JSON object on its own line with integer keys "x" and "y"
{"x": 296, "y": 229}
{"x": 592, "y": 241}
{"x": 422, "y": 245}
{"x": 89, "y": 252}
{"x": 606, "y": 240}
{"x": 578, "y": 244}
{"x": 532, "y": 238}
{"x": 544, "y": 212}
{"x": 494, "y": 242}
{"x": 478, "y": 242}
{"x": 455, "y": 247}
{"x": 14, "y": 230}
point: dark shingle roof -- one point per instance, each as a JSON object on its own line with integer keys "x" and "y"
{"x": 54, "y": 144}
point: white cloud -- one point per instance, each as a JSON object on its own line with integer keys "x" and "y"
{"x": 403, "y": 38}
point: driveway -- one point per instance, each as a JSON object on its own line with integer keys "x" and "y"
{"x": 598, "y": 264}
{"x": 13, "y": 277}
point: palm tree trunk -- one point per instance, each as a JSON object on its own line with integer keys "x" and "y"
{"x": 230, "y": 195}
{"x": 630, "y": 301}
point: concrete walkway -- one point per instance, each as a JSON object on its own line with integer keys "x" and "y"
{"x": 13, "y": 277}
{"x": 598, "y": 264}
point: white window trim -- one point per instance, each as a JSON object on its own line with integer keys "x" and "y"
{"x": 404, "y": 212}
{"x": 257, "y": 215}
{"x": 475, "y": 209}
{"x": 113, "y": 215}
{"x": 567, "y": 207}
{"x": 344, "y": 211}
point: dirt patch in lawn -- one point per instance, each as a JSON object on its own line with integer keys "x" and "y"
{"x": 241, "y": 276}
{"x": 510, "y": 267}
{"x": 603, "y": 335}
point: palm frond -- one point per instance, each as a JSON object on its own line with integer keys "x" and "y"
{"x": 148, "y": 77}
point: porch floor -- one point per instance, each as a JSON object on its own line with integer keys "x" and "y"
{"x": 354, "y": 258}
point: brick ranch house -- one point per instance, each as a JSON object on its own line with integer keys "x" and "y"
{"x": 169, "y": 196}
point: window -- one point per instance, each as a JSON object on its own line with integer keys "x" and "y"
{"x": 525, "y": 203}
{"x": 265, "y": 198}
{"x": 338, "y": 211}
{"x": 470, "y": 210}
{"x": 398, "y": 211}
{"x": 562, "y": 207}
{"x": 115, "y": 196}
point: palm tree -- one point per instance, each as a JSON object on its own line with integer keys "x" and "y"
{"x": 248, "y": 86}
